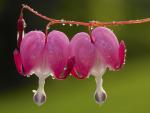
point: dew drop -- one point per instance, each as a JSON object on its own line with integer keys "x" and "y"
{"x": 91, "y": 27}
{"x": 63, "y": 24}
{"x": 25, "y": 25}
{"x": 62, "y": 20}
{"x": 53, "y": 77}
{"x": 114, "y": 22}
{"x": 48, "y": 27}
{"x": 65, "y": 68}
{"x": 77, "y": 25}
{"x": 78, "y": 73}
{"x": 70, "y": 25}
{"x": 34, "y": 91}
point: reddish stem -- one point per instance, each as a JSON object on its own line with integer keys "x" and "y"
{"x": 92, "y": 23}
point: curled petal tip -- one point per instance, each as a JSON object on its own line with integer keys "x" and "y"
{"x": 39, "y": 97}
{"x": 84, "y": 54}
{"x": 18, "y": 61}
{"x": 122, "y": 53}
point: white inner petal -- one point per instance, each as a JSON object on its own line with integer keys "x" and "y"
{"x": 98, "y": 71}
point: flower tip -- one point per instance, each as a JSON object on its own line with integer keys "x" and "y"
{"x": 122, "y": 57}
{"x": 18, "y": 61}
{"x": 100, "y": 98}
{"x": 39, "y": 97}
{"x": 122, "y": 54}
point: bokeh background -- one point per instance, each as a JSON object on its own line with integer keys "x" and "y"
{"x": 128, "y": 90}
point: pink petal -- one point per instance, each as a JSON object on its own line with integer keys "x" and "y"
{"x": 18, "y": 61}
{"x": 69, "y": 67}
{"x": 122, "y": 53}
{"x": 84, "y": 54}
{"x": 31, "y": 50}
{"x": 57, "y": 53}
{"x": 107, "y": 46}
{"x": 21, "y": 24}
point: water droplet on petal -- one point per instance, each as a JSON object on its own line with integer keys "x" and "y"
{"x": 65, "y": 68}
{"x": 25, "y": 25}
{"x": 114, "y": 22}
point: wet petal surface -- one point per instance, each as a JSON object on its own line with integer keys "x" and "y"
{"x": 84, "y": 54}
{"x": 108, "y": 46}
{"x": 31, "y": 49}
{"x": 57, "y": 52}
{"x": 18, "y": 62}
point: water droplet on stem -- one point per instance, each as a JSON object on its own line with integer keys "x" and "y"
{"x": 63, "y": 24}
{"x": 70, "y": 25}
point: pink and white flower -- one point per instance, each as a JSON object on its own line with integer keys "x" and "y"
{"x": 93, "y": 57}
{"x": 52, "y": 54}
{"x": 43, "y": 56}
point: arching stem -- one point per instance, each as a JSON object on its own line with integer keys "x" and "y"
{"x": 91, "y": 23}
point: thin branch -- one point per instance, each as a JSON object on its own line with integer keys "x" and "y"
{"x": 91, "y": 23}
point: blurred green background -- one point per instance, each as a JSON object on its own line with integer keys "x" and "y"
{"x": 128, "y": 90}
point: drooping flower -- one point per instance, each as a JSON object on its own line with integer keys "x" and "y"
{"x": 94, "y": 57}
{"x": 43, "y": 56}
{"x": 52, "y": 54}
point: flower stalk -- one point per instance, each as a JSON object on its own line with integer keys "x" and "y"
{"x": 91, "y": 23}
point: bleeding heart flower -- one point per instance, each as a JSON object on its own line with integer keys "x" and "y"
{"x": 42, "y": 56}
{"x": 95, "y": 57}
{"x": 53, "y": 55}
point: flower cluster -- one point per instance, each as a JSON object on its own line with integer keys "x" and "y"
{"x": 53, "y": 54}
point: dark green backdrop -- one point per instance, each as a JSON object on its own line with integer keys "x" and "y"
{"x": 128, "y": 90}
